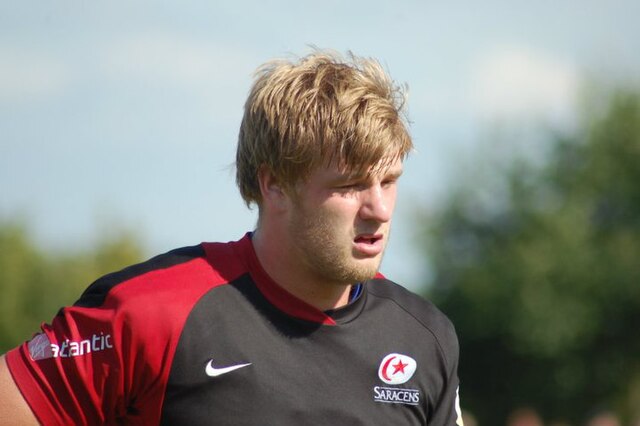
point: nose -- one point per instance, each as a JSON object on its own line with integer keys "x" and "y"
{"x": 377, "y": 203}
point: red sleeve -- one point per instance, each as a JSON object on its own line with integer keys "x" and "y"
{"x": 71, "y": 373}
{"x": 100, "y": 365}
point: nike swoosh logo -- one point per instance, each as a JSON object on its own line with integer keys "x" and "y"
{"x": 215, "y": 372}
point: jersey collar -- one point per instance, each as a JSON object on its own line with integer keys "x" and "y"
{"x": 290, "y": 304}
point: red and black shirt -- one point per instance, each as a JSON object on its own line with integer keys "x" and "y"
{"x": 202, "y": 335}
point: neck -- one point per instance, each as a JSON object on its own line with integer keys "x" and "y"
{"x": 289, "y": 273}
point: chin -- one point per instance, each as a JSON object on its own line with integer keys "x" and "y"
{"x": 366, "y": 270}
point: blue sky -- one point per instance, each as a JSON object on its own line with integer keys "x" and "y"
{"x": 128, "y": 111}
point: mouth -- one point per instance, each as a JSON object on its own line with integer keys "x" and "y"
{"x": 368, "y": 239}
{"x": 369, "y": 245}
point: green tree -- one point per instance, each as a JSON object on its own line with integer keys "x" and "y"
{"x": 543, "y": 283}
{"x": 35, "y": 283}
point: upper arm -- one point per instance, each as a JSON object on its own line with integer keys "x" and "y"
{"x": 448, "y": 410}
{"x": 13, "y": 407}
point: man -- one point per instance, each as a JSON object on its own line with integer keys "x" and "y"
{"x": 291, "y": 325}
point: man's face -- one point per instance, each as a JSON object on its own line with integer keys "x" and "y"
{"x": 339, "y": 225}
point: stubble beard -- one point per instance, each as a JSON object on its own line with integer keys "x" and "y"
{"x": 327, "y": 253}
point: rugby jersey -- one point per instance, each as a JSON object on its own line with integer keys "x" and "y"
{"x": 202, "y": 335}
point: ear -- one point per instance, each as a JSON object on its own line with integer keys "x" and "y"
{"x": 274, "y": 197}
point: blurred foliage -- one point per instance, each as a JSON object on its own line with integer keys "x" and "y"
{"x": 36, "y": 282}
{"x": 543, "y": 283}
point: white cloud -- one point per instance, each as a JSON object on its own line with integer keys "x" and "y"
{"x": 27, "y": 75}
{"x": 168, "y": 60}
{"x": 516, "y": 82}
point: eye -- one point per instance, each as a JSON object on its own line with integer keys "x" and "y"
{"x": 389, "y": 182}
{"x": 348, "y": 187}
{"x": 352, "y": 186}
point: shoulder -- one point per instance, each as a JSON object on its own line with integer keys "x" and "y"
{"x": 418, "y": 310}
{"x": 167, "y": 269}
{"x": 155, "y": 297}
{"x": 183, "y": 274}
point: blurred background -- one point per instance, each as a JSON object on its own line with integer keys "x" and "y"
{"x": 519, "y": 212}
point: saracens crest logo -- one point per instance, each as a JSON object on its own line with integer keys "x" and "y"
{"x": 396, "y": 369}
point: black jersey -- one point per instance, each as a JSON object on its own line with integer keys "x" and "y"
{"x": 202, "y": 335}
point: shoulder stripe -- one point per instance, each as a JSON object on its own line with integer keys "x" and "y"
{"x": 96, "y": 293}
{"x": 425, "y": 313}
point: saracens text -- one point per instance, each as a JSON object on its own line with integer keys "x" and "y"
{"x": 396, "y": 395}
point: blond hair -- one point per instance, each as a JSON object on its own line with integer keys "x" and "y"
{"x": 320, "y": 110}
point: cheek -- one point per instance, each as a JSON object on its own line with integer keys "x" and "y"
{"x": 335, "y": 215}
{"x": 345, "y": 213}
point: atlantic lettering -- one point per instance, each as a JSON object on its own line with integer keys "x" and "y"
{"x": 69, "y": 348}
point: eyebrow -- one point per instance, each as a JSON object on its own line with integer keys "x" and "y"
{"x": 396, "y": 173}
{"x": 389, "y": 172}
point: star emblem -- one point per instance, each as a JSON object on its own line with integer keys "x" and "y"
{"x": 399, "y": 367}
